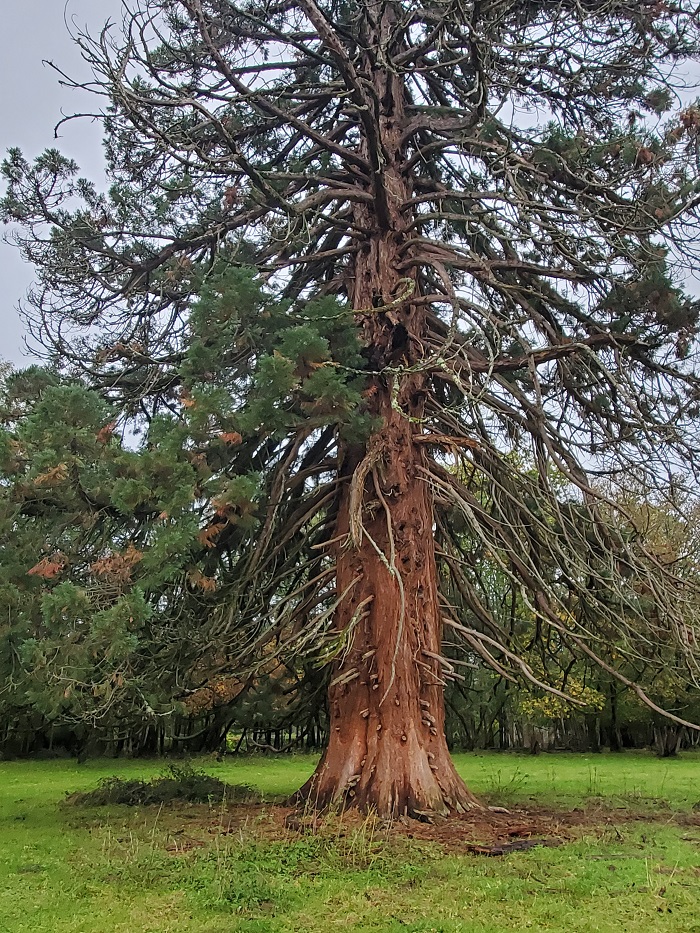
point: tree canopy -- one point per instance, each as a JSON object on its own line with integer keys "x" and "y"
{"x": 389, "y": 290}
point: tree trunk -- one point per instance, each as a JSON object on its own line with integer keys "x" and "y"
{"x": 615, "y": 734}
{"x": 667, "y": 740}
{"x": 387, "y": 749}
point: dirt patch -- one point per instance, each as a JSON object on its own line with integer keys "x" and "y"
{"x": 487, "y": 832}
{"x": 601, "y": 815}
{"x": 481, "y": 832}
{"x": 478, "y": 832}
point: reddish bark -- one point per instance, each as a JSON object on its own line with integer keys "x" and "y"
{"x": 387, "y": 749}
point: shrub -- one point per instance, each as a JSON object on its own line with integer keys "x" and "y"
{"x": 178, "y": 782}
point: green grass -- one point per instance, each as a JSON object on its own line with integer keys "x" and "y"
{"x": 634, "y": 778}
{"x": 147, "y": 870}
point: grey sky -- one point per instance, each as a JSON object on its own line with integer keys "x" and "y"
{"x": 31, "y": 105}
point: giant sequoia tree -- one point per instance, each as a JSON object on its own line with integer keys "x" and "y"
{"x": 402, "y": 275}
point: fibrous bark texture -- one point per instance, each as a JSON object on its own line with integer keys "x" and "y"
{"x": 387, "y": 749}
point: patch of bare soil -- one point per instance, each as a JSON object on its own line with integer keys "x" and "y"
{"x": 485, "y": 832}
{"x": 489, "y": 832}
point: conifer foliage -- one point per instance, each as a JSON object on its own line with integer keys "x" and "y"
{"x": 392, "y": 289}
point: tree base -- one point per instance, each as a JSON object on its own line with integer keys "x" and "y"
{"x": 393, "y": 781}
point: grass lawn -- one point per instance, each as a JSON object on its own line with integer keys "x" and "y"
{"x": 630, "y": 861}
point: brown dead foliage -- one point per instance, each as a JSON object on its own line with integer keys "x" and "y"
{"x": 53, "y": 477}
{"x": 207, "y": 536}
{"x": 231, "y": 438}
{"x": 105, "y": 434}
{"x": 219, "y": 692}
{"x": 200, "y": 581}
{"x": 48, "y": 567}
{"x": 117, "y": 567}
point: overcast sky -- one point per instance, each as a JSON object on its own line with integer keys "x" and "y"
{"x": 30, "y": 105}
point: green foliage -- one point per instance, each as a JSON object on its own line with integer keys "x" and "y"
{"x": 289, "y": 375}
{"x": 124, "y": 555}
{"x": 548, "y": 708}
